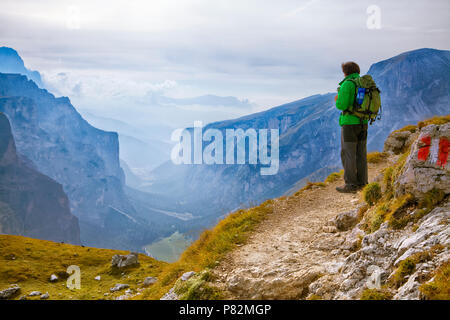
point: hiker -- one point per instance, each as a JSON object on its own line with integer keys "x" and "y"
{"x": 353, "y": 132}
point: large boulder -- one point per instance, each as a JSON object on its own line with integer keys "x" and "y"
{"x": 149, "y": 281}
{"x": 427, "y": 167}
{"x": 187, "y": 275}
{"x": 122, "y": 261}
{"x": 397, "y": 141}
{"x": 10, "y": 292}
{"x": 119, "y": 286}
{"x": 346, "y": 220}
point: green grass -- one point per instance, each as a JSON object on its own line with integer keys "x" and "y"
{"x": 405, "y": 267}
{"x": 335, "y": 176}
{"x": 375, "y": 294}
{"x": 372, "y": 193}
{"x": 198, "y": 287}
{"x": 408, "y": 266}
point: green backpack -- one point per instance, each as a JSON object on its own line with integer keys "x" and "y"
{"x": 367, "y": 105}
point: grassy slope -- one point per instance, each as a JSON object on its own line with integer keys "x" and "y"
{"x": 35, "y": 260}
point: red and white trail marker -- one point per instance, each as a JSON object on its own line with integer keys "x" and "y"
{"x": 434, "y": 150}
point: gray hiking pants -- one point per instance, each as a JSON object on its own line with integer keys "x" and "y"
{"x": 354, "y": 154}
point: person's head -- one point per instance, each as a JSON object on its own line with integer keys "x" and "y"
{"x": 350, "y": 67}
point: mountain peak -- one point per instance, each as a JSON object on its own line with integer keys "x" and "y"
{"x": 423, "y": 55}
{"x": 7, "y": 51}
{"x": 11, "y": 62}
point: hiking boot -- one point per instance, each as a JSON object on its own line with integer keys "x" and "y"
{"x": 360, "y": 186}
{"x": 347, "y": 189}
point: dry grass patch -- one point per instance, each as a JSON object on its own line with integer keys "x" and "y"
{"x": 439, "y": 288}
{"x": 30, "y": 263}
{"x": 376, "y": 157}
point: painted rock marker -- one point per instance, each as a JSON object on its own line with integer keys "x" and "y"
{"x": 436, "y": 149}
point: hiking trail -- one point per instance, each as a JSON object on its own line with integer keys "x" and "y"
{"x": 290, "y": 249}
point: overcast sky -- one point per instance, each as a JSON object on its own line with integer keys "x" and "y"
{"x": 269, "y": 52}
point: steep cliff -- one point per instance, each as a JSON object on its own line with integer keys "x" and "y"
{"x": 31, "y": 204}
{"x": 61, "y": 144}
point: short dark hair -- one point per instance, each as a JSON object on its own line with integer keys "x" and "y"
{"x": 350, "y": 67}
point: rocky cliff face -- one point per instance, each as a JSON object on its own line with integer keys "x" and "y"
{"x": 400, "y": 247}
{"x": 62, "y": 145}
{"x": 31, "y": 204}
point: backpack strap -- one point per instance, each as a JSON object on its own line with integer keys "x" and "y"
{"x": 350, "y": 110}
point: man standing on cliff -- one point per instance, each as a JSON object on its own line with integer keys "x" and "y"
{"x": 353, "y": 133}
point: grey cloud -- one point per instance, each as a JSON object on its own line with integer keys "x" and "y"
{"x": 252, "y": 49}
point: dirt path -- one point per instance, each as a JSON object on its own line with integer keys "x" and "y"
{"x": 289, "y": 250}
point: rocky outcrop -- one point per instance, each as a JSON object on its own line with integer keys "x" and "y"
{"x": 171, "y": 295}
{"x": 260, "y": 286}
{"x": 175, "y": 292}
{"x": 398, "y": 141}
{"x": 376, "y": 262}
{"x": 346, "y": 220}
{"x": 10, "y": 292}
{"x": 119, "y": 286}
{"x": 398, "y": 260}
{"x": 122, "y": 261}
{"x": 45, "y": 296}
{"x": 427, "y": 165}
{"x": 149, "y": 281}
{"x": 187, "y": 275}
{"x": 31, "y": 204}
